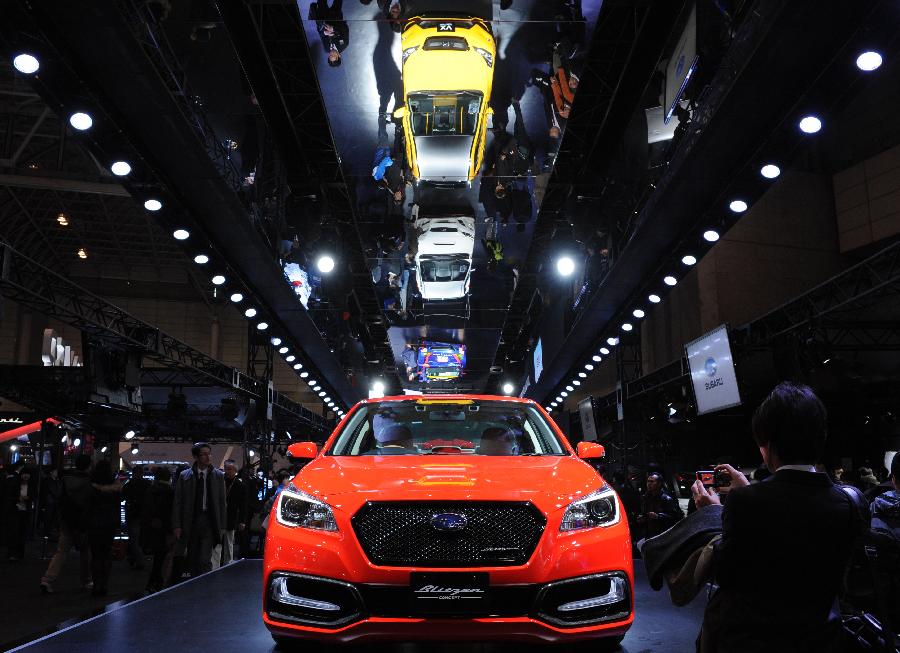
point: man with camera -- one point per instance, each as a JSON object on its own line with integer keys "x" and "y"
{"x": 785, "y": 542}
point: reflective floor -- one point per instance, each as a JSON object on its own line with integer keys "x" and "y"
{"x": 221, "y": 612}
{"x": 360, "y": 96}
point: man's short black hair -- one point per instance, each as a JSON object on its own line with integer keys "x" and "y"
{"x": 82, "y": 462}
{"x": 793, "y": 422}
{"x": 895, "y": 466}
{"x": 195, "y": 450}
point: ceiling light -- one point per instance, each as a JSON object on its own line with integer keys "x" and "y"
{"x": 283, "y": 350}
{"x": 64, "y": 439}
{"x": 322, "y": 394}
{"x": 134, "y": 449}
{"x": 62, "y": 220}
{"x": 218, "y": 280}
{"x": 589, "y": 366}
{"x": 576, "y": 382}
{"x": 181, "y": 234}
{"x": 251, "y": 453}
{"x": 303, "y": 375}
{"x": 612, "y": 342}
{"x": 201, "y": 259}
{"x": 81, "y": 121}
{"x": 582, "y": 375}
{"x": 13, "y": 447}
{"x": 596, "y": 358}
{"x": 25, "y": 63}
{"x": 604, "y": 351}
{"x": 626, "y": 326}
{"x": 76, "y": 442}
{"x": 262, "y": 326}
{"x": 507, "y": 388}
{"x": 569, "y": 388}
{"x": 378, "y": 387}
{"x": 564, "y": 394}
{"x": 689, "y": 259}
{"x": 316, "y": 388}
{"x": 710, "y": 235}
{"x": 250, "y": 312}
{"x": 81, "y": 253}
{"x": 104, "y": 449}
{"x": 291, "y": 358}
{"x": 120, "y": 168}
{"x": 297, "y": 366}
{"x": 129, "y": 434}
{"x": 670, "y": 280}
{"x": 153, "y": 205}
{"x": 237, "y": 297}
{"x": 559, "y": 399}
{"x": 565, "y": 265}
{"x": 770, "y": 171}
{"x": 552, "y": 404}
{"x": 325, "y": 264}
{"x": 738, "y": 206}
{"x": 311, "y": 382}
{"x": 867, "y": 61}
{"x": 810, "y": 124}
{"x": 638, "y": 313}
{"x": 275, "y": 341}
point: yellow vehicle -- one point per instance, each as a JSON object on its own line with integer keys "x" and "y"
{"x": 448, "y": 69}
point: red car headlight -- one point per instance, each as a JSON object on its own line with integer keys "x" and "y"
{"x": 598, "y": 509}
{"x": 297, "y": 509}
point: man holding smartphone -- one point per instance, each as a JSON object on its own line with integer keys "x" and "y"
{"x": 785, "y": 542}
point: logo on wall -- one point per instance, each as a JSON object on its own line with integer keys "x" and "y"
{"x": 711, "y": 367}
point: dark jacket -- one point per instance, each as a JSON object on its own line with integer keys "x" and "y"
{"x": 323, "y": 15}
{"x": 669, "y": 550}
{"x": 667, "y": 509}
{"x": 235, "y": 503}
{"x": 134, "y": 493}
{"x": 886, "y": 513}
{"x": 183, "y": 516}
{"x": 156, "y": 518}
{"x": 785, "y": 545}
{"x": 76, "y": 500}
{"x": 105, "y": 515}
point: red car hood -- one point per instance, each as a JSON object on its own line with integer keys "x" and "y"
{"x": 347, "y": 482}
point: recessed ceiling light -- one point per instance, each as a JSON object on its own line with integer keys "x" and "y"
{"x": 810, "y": 124}
{"x": 250, "y": 312}
{"x": 507, "y": 388}
{"x": 596, "y": 358}
{"x": 589, "y": 367}
{"x": 325, "y": 264}
{"x": 576, "y": 382}
{"x": 291, "y": 358}
{"x": 322, "y": 393}
{"x": 604, "y": 351}
{"x": 627, "y": 326}
{"x": 218, "y": 280}
{"x": 312, "y": 382}
{"x": 770, "y": 171}
{"x": 559, "y": 399}
{"x": 564, "y": 394}
{"x": 670, "y": 280}
{"x": 867, "y": 61}
{"x": 689, "y": 259}
{"x": 181, "y": 234}
{"x": 316, "y": 388}
{"x": 25, "y": 63}
{"x": 297, "y": 366}
{"x": 569, "y": 388}
{"x": 275, "y": 341}
{"x": 81, "y": 121}
{"x": 120, "y": 168}
{"x": 152, "y": 205}
{"x": 738, "y": 206}
{"x": 201, "y": 259}
{"x": 638, "y": 313}
{"x": 284, "y": 350}
{"x": 565, "y": 265}
{"x": 710, "y": 235}
{"x": 237, "y": 297}
{"x": 612, "y": 342}
{"x": 303, "y": 375}
{"x": 262, "y": 326}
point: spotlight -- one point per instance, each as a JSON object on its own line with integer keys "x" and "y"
{"x": 104, "y": 449}
{"x": 284, "y": 350}
{"x": 262, "y": 326}
{"x": 507, "y": 388}
{"x": 670, "y": 280}
{"x": 64, "y": 439}
{"x": 250, "y": 312}
{"x": 576, "y": 382}
{"x": 181, "y": 234}
{"x": 81, "y": 121}
{"x": 589, "y": 367}
{"x": 63, "y": 220}
{"x": 710, "y": 236}
{"x": 120, "y": 168}
{"x": 311, "y": 382}
{"x": 201, "y": 259}
{"x": 291, "y": 358}
{"x": 582, "y": 375}
{"x": 135, "y": 448}
{"x": 626, "y": 326}
{"x": 237, "y": 297}
{"x": 638, "y": 313}
{"x": 378, "y": 388}
{"x": 13, "y": 447}
{"x": 867, "y": 61}
{"x": 81, "y": 253}
{"x": 810, "y": 124}
{"x": 552, "y": 404}
{"x": 218, "y": 280}
{"x": 316, "y": 388}
{"x": 297, "y": 366}
{"x": 770, "y": 171}
{"x": 604, "y": 351}
{"x": 569, "y": 388}
{"x": 322, "y": 393}
{"x": 275, "y": 341}
{"x": 153, "y": 205}
{"x": 596, "y": 358}
{"x": 25, "y": 63}
{"x": 76, "y": 442}
{"x": 325, "y": 264}
{"x": 612, "y": 342}
{"x": 689, "y": 259}
{"x": 563, "y": 394}
{"x": 738, "y": 206}
{"x": 565, "y": 265}
{"x": 303, "y": 375}
{"x": 129, "y": 434}
{"x": 559, "y": 399}
{"x": 251, "y": 453}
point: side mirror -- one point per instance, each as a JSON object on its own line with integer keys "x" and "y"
{"x": 303, "y": 450}
{"x": 589, "y": 450}
{"x": 400, "y": 113}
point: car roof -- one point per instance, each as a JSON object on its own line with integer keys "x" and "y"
{"x": 438, "y": 397}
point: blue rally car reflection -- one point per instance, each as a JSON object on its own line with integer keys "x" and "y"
{"x": 441, "y": 361}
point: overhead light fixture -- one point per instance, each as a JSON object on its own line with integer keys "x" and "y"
{"x": 303, "y": 375}
{"x": 291, "y": 358}
{"x": 251, "y": 453}
{"x": 218, "y": 280}
{"x": 582, "y": 375}
{"x": 81, "y": 253}
{"x": 627, "y": 326}
{"x": 559, "y": 399}
{"x": 104, "y": 449}
{"x": 152, "y": 205}
{"x": 670, "y": 280}
{"x": 325, "y": 264}
{"x": 596, "y": 358}
{"x": 262, "y": 326}
{"x": 565, "y": 266}
{"x": 63, "y": 220}
{"x": 250, "y": 312}
{"x": 64, "y": 439}
{"x": 604, "y": 350}
{"x": 589, "y": 367}
{"x": 866, "y": 61}
{"x": 181, "y": 234}
{"x": 322, "y": 393}
{"x": 689, "y": 259}
{"x": 201, "y": 259}
{"x": 569, "y": 388}
{"x": 297, "y": 366}
{"x": 311, "y": 382}
{"x": 76, "y": 442}
{"x": 638, "y": 313}
{"x": 552, "y": 404}
{"x": 710, "y": 235}
{"x": 810, "y": 124}
{"x": 135, "y": 448}
{"x": 120, "y": 168}
{"x": 564, "y": 394}
{"x": 378, "y": 387}
{"x": 283, "y": 350}
{"x": 612, "y": 342}
{"x": 25, "y": 63}
{"x": 316, "y": 388}
{"x": 129, "y": 434}
{"x": 770, "y": 171}
{"x": 275, "y": 341}
{"x": 13, "y": 447}
{"x": 81, "y": 121}
{"x": 508, "y": 388}
{"x": 576, "y": 382}
{"x": 738, "y": 206}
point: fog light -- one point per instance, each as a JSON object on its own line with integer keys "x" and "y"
{"x": 615, "y": 594}
{"x": 281, "y": 594}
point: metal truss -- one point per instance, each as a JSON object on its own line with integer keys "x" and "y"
{"x": 30, "y": 284}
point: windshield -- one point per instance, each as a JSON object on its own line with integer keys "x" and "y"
{"x": 443, "y": 268}
{"x": 454, "y": 114}
{"x": 443, "y": 426}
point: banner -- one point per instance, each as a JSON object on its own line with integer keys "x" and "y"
{"x": 712, "y": 371}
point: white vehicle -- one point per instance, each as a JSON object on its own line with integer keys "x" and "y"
{"x": 444, "y": 257}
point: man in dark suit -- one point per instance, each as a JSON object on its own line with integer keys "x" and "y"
{"x": 236, "y": 509}
{"x": 198, "y": 513}
{"x": 332, "y": 28}
{"x": 785, "y": 541}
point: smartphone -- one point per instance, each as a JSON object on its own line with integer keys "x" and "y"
{"x": 713, "y": 478}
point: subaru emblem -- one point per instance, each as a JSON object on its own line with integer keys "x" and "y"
{"x": 449, "y": 521}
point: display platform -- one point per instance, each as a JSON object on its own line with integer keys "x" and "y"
{"x": 220, "y": 611}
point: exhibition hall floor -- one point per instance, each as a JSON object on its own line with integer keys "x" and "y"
{"x": 221, "y": 612}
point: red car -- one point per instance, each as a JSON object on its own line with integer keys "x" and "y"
{"x": 447, "y": 517}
